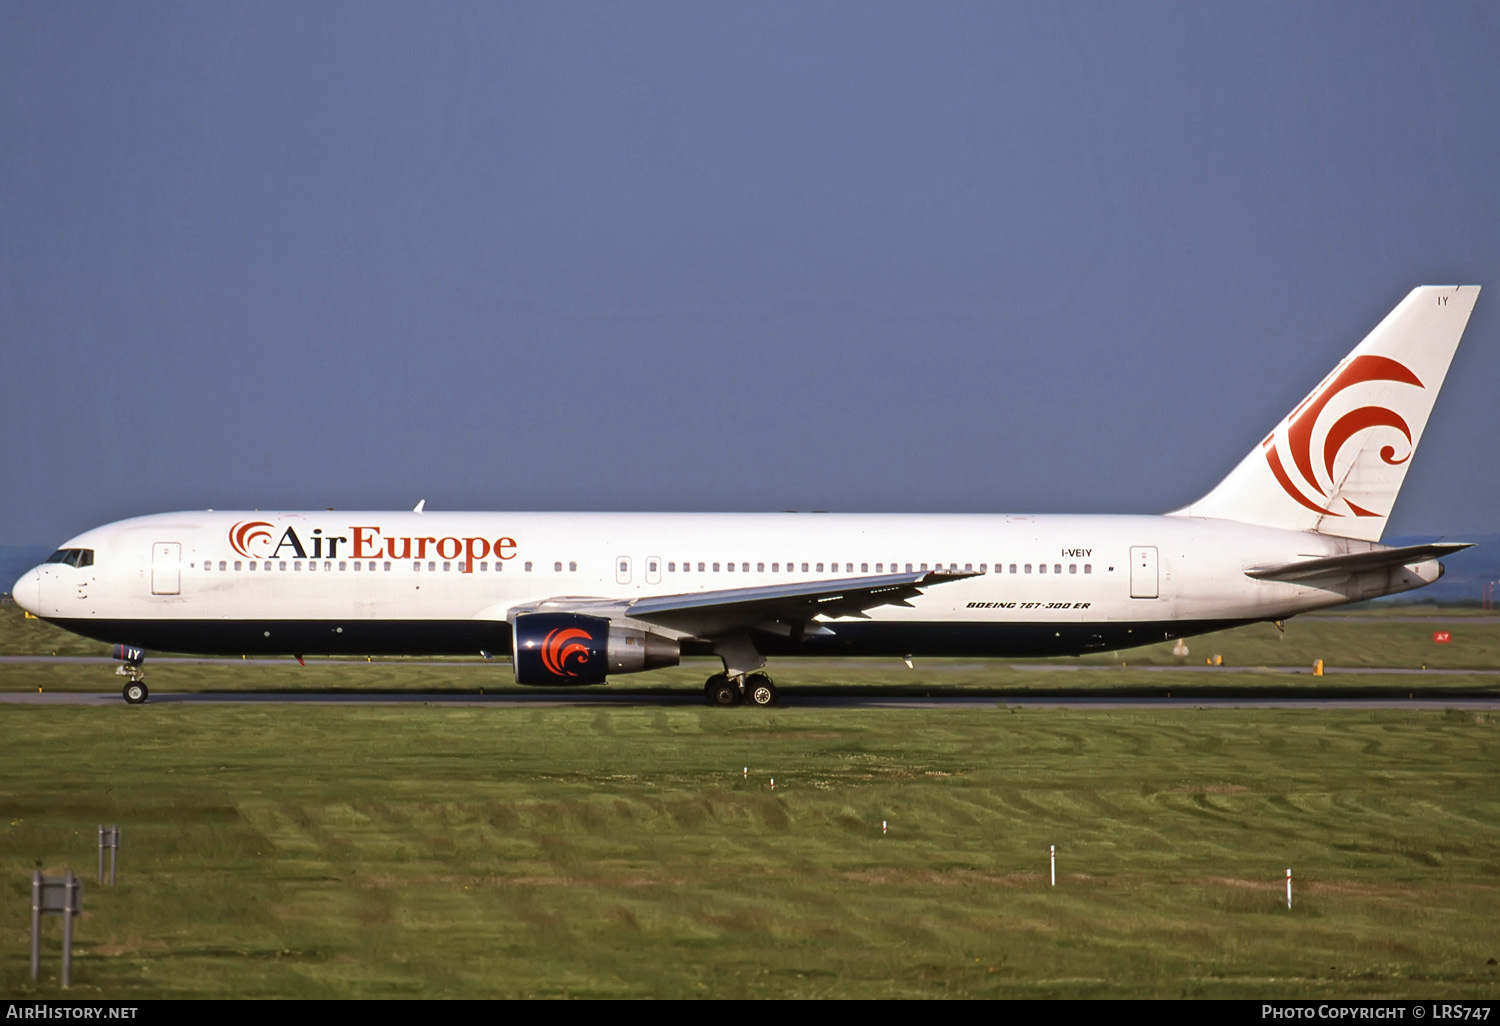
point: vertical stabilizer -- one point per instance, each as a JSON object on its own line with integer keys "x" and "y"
{"x": 1336, "y": 463}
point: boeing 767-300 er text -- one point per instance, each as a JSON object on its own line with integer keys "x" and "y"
{"x": 575, "y": 597}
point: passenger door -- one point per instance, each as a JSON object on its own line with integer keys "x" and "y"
{"x": 166, "y": 568}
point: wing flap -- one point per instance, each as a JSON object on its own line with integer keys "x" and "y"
{"x": 713, "y": 612}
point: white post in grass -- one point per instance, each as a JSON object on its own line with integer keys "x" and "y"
{"x": 1053, "y": 848}
{"x": 1289, "y": 887}
{"x": 882, "y": 827}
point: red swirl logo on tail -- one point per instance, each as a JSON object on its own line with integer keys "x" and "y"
{"x": 1315, "y": 483}
{"x": 246, "y": 532}
{"x": 562, "y": 646}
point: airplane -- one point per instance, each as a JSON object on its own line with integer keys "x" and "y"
{"x": 573, "y": 598}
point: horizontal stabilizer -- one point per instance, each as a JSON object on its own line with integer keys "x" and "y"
{"x": 1356, "y": 563}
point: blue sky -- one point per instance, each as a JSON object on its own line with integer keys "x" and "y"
{"x": 856, "y": 256}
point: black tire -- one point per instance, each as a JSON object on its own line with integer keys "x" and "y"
{"x": 759, "y": 690}
{"x": 135, "y": 693}
{"x": 721, "y": 691}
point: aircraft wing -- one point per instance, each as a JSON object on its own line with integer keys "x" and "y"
{"x": 778, "y": 608}
{"x": 1355, "y": 563}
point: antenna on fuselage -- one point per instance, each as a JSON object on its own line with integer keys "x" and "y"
{"x": 418, "y": 507}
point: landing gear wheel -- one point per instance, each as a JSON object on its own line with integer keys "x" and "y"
{"x": 721, "y": 691}
{"x": 135, "y": 693}
{"x": 759, "y": 690}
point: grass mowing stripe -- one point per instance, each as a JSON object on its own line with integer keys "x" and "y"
{"x": 426, "y": 851}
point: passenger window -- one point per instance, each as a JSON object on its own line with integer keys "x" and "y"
{"x": 700, "y": 567}
{"x": 1041, "y": 568}
{"x": 387, "y": 565}
{"x": 248, "y": 566}
{"x": 1028, "y": 568}
{"x": 282, "y": 565}
{"x": 908, "y": 568}
{"x": 1013, "y": 568}
{"x": 356, "y": 564}
{"x": 527, "y": 568}
{"x": 572, "y": 567}
{"x": 820, "y": 568}
{"x": 760, "y": 568}
{"x": 431, "y": 566}
{"x": 342, "y": 565}
{"x": 744, "y": 568}
{"x": 1072, "y": 568}
{"x": 417, "y": 567}
{"x": 236, "y": 564}
{"x": 557, "y": 567}
{"x": 729, "y": 567}
{"x": 804, "y": 568}
{"x": 671, "y": 568}
{"x": 328, "y": 566}
{"x": 775, "y": 568}
{"x": 1057, "y": 568}
{"x": 1088, "y": 568}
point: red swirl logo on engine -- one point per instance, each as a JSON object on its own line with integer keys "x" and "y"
{"x": 562, "y": 646}
{"x": 246, "y": 532}
{"x": 1328, "y": 414}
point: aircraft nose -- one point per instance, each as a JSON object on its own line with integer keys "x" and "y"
{"x": 28, "y": 591}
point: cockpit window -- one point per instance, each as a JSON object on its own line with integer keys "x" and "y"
{"x": 73, "y": 557}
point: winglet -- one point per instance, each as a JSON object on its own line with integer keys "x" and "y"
{"x": 418, "y": 507}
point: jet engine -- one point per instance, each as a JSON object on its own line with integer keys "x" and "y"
{"x": 554, "y": 649}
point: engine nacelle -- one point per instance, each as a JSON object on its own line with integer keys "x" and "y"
{"x": 554, "y": 649}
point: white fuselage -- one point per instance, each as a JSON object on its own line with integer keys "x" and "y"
{"x": 368, "y": 582}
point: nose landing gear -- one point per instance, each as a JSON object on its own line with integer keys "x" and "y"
{"x": 135, "y": 691}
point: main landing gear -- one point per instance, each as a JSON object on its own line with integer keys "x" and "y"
{"x": 742, "y": 679}
{"x": 134, "y": 691}
{"x": 751, "y": 688}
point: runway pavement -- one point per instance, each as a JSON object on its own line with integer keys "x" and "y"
{"x": 809, "y": 699}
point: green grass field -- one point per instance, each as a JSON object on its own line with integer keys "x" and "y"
{"x": 436, "y": 851}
